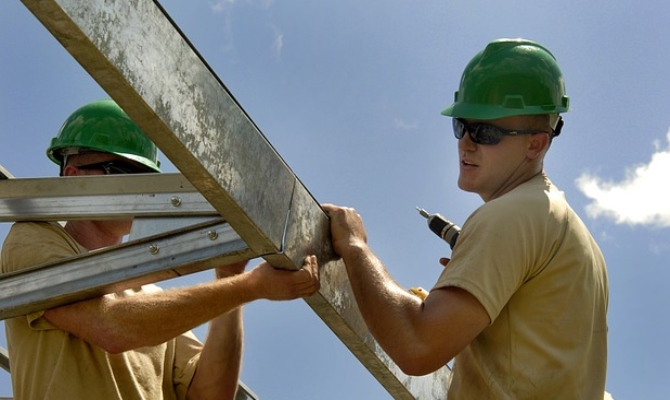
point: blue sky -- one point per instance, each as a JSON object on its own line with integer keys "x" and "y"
{"x": 350, "y": 94}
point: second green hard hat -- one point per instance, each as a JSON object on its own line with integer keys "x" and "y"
{"x": 103, "y": 126}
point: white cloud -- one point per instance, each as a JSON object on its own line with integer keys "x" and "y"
{"x": 608, "y": 396}
{"x": 225, "y": 5}
{"x": 222, "y": 5}
{"x": 404, "y": 125}
{"x": 227, "y": 9}
{"x": 640, "y": 199}
{"x": 278, "y": 43}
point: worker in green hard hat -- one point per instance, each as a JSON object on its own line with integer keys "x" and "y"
{"x": 134, "y": 344}
{"x": 521, "y": 305}
{"x": 103, "y": 127}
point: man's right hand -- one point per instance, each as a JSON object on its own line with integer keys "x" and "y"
{"x": 278, "y": 284}
{"x": 346, "y": 228}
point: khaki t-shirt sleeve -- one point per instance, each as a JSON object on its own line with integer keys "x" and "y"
{"x": 33, "y": 243}
{"x": 187, "y": 354}
{"x": 490, "y": 260}
{"x": 29, "y": 244}
{"x": 36, "y": 322}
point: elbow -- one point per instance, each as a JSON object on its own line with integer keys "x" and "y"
{"x": 119, "y": 346}
{"x": 415, "y": 369}
{"x": 113, "y": 345}
{"x": 115, "y": 342}
{"x": 419, "y": 367}
{"x": 418, "y": 363}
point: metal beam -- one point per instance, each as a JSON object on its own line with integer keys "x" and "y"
{"x": 4, "y": 359}
{"x": 4, "y": 174}
{"x": 336, "y": 305}
{"x": 100, "y": 197}
{"x": 134, "y": 51}
{"x": 243, "y": 393}
{"x": 95, "y": 185}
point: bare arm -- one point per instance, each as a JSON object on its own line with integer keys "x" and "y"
{"x": 220, "y": 363}
{"x": 419, "y": 336}
{"x": 118, "y": 324}
{"x": 218, "y": 369}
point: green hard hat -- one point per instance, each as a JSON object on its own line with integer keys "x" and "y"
{"x": 510, "y": 77}
{"x": 103, "y": 126}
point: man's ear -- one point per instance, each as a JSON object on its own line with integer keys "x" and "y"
{"x": 537, "y": 145}
{"x": 69, "y": 170}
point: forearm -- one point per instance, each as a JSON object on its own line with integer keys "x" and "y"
{"x": 218, "y": 369}
{"x": 119, "y": 324}
{"x": 419, "y": 336}
{"x": 389, "y": 311}
{"x": 122, "y": 323}
{"x": 168, "y": 314}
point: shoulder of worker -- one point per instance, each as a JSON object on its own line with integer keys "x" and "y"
{"x": 32, "y": 243}
{"x": 35, "y": 227}
{"x": 533, "y": 200}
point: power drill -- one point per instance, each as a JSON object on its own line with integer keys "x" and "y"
{"x": 442, "y": 227}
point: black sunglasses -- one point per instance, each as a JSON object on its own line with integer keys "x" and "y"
{"x": 116, "y": 167}
{"x": 485, "y": 133}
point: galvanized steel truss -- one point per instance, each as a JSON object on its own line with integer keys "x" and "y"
{"x": 234, "y": 199}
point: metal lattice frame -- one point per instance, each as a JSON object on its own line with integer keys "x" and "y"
{"x": 142, "y": 60}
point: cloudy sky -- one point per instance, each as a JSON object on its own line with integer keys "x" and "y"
{"x": 636, "y": 198}
{"x": 350, "y": 94}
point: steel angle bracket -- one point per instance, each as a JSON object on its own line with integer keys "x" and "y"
{"x": 125, "y": 266}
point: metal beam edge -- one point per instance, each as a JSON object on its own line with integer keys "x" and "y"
{"x": 94, "y": 185}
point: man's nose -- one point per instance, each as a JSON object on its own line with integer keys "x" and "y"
{"x": 466, "y": 143}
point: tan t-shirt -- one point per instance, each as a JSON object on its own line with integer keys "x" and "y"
{"x": 48, "y": 363}
{"x": 533, "y": 265}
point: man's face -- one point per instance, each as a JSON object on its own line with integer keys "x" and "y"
{"x": 493, "y": 170}
{"x": 102, "y": 164}
{"x": 78, "y": 165}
